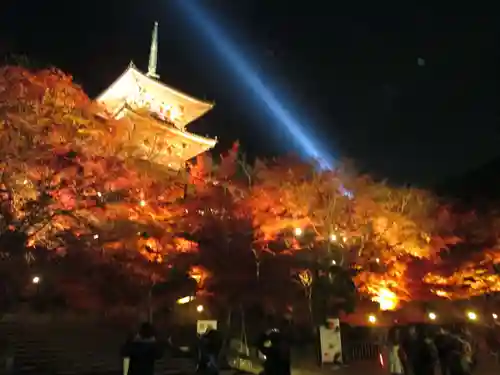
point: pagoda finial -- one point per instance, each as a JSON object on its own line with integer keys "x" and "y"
{"x": 153, "y": 54}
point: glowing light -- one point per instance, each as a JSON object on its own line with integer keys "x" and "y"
{"x": 96, "y": 236}
{"x": 495, "y": 316}
{"x": 377, "y": 260}
{"x": 197, "y": 274}
{"x": 441, "y": 293}
{"x": 386, "y": 299}
{"x": 372, "y": 318}
{"x": 334, "y": 262}
{"x": 471, "y": 315}
{"x": 196, "y": 278}
{"x": 36, "y": 280}
{"x": 99, "y": 194}
{"x": 298, "y": 232}
{"x": 306, "y": 278}
{"x": 381, "y": 359}
{"x": 184, "y": 300}
{"x": 200, "y": 308}
{"x": 175, "y": 113}
{"x": 432, "y": 316}
{"x": 346, "y": 193}
{"x": 241, "y": 67}
{"x": 142, "y": 203}
{"x": 333, "y": 237}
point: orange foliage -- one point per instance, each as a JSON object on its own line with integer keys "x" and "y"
{"x": 68, "y": 181}
{"x": 56, "y": 153}
{"x": 291, "y": 208}
{"x": 377, "y": 227}
{"x": 473, "y": 277}
{"x": 68, "y": 173}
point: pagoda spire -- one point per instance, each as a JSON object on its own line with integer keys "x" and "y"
{"x": 153, "y": 54}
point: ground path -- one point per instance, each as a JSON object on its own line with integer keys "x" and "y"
{"x": 486, "y": 367}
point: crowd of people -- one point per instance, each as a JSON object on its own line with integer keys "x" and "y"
{"x": 412, "y": 350}
{"x": 142, "y": 350}
{"x": 431, "y": 351}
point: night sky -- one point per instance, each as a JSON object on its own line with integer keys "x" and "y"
{"x": 351, "y": 72}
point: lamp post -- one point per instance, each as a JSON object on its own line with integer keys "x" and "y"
{"x": 36, "y": 280}
{"x": 150, "y": 302}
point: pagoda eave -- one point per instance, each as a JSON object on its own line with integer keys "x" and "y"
{"x": 130, "y": 83}
{"x": 181, "y": 145}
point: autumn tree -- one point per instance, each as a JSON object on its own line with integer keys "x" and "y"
{"x": 306, "y": 212}
{"x": 344, "y": 219}
{"x": 74, "y": 183}
{"x": 396, "y": 225}
{"x": 56, "y": 152}
{"x": 66, "y": 170}
{"x": 217, "y": 221}
{"x": 471, "y": 268}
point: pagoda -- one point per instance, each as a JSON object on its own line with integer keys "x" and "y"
{"x": 158, "y": 114}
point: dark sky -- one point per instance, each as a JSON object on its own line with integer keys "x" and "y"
{"x": 351, "y": 70}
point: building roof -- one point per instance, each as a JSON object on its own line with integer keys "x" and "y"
{"x": 182, "y": 145}
{"x": 134, "y": 83}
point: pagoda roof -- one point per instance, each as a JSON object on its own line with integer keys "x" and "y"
{"x": 132, "y": 81}
{"x": 184, "y": 145}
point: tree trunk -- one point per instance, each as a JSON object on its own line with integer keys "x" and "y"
{"x": 227, "y": 335}
{"x": 150, "y": 307}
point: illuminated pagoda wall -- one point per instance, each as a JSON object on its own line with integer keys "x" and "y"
{"x": 159, "y": 114}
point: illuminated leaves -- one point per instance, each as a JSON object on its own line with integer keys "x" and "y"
{"x": 71, "y": 178}
{"x": 463, "y": 277}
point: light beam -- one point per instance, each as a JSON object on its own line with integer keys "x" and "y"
{"x": 239, "y": 64}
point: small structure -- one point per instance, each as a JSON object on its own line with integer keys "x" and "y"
{"x": 158, "y": 114}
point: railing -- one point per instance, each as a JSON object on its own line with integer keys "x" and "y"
{"x": 360, "y": 351}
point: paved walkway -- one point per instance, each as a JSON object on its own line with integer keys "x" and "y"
{"x": 365, "y": 368}
{"x": 485, "y": 367}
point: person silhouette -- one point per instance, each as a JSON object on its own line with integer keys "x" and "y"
{"x": 142, "y": 351}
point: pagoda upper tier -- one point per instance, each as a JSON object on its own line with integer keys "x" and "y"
{"x": 158, "y": 112}
{"x": 141, "y": 91}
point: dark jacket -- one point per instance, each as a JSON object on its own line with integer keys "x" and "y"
{"x": 143, "y": 352}
{"x": 410, "y": 348}
{"x": 208, "y": 352}
{"x": 277, "y": 355}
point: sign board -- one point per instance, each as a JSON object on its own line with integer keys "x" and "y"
{"x": 330, "y": 342}
{"x": 203, "y": 326}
